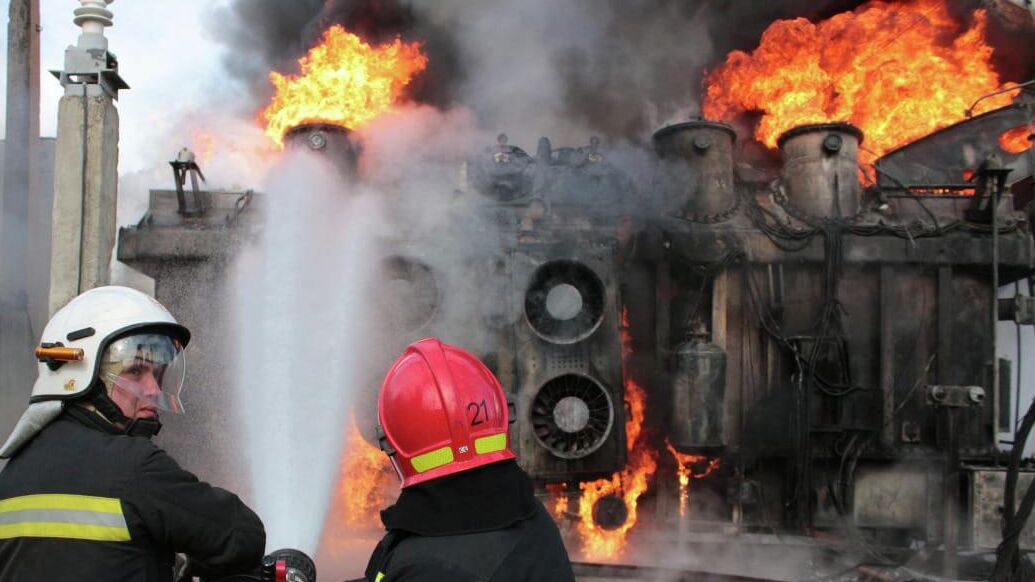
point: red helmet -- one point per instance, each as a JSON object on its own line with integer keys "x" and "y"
{"x": 441, "y": 411}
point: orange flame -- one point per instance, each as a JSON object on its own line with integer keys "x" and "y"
{"x": 343, "y": 81}
{"x": 203, "y": 143}
{"x": 690, "y": 467}
{"x": 897, "y": 71}
{"x": 367, "y": 482}
{"x": 558, "y": 499}
{"x": 628, "y": 485}
{"x": 1018, "y": 139}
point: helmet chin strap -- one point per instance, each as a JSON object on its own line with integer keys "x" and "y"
{"x": 144, "y": 427}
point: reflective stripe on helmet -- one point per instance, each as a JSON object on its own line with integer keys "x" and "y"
{"x": 444, "y": 456}
{"x": 491, "y": 443}
{"x": 78, "y": 517}
{"x": 429, "y": 461}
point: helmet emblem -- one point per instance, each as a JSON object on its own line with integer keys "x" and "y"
{"x": 463, "y": 449}
{"x": 70, "y": 385}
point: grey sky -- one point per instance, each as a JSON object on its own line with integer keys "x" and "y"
{"x": 167, "y": 55}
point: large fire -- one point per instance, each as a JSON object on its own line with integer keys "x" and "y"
{"x": 690, "y": 467}
{"x": 897, "y": 71}
{"x": 343, "y": 81}
{"x": 1018, "y": 139}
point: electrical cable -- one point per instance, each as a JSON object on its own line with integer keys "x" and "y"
{"x": 1017, "y": 391}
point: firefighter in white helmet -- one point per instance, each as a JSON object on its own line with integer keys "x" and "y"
{"x": 86, "y": 496}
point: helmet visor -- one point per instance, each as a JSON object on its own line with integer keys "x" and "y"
{"x": 149, "y": 366}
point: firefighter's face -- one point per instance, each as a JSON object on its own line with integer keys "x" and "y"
{"x": 141, "y": 375}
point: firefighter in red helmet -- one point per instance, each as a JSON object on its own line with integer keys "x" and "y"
{"x": 467, "y": 512}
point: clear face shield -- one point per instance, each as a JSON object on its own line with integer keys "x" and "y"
{"x": 149, "y": 367}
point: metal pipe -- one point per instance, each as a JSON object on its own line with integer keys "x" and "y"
{"x": 950, "y": 492}
{"x": 969, "y": 112}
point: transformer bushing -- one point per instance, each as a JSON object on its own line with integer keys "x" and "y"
{"x": 90, "y": 69}
{"x": 331, "y": 141}
{"x": 696, "y": 170}
{"x": 821, "y": 170}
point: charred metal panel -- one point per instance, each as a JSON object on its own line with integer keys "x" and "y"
{"x": 984, "y": 526}
{"x": 911, "y": 316}
{"x": 967, "y": 312}
{"x": 947, "y": 156}
{"x": 859, "y": 294}
{"x": 893, "y": 497}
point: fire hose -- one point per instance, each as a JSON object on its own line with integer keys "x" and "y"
{"x": 284, "y": 565}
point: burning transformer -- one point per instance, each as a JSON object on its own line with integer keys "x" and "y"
{"x": 736, "y": 348}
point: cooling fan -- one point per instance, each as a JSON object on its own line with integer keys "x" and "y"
{"x": 408, "y": 293}
{"x": 572, "y": 415}
{"x": 564, "y": 302}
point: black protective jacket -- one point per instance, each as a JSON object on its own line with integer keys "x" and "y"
{"x": 81, "y": 503}
{"x": 482, "y": 525}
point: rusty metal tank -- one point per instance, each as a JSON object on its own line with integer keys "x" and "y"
{"x": 698, "y": 403}
{"x": 332, "y": 141}
{"x": 821, "y": 171}
{"x": 696, "y": 170}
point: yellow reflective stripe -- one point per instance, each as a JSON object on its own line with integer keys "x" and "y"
{"x": 380, "y": 576}
{"x": 80, "y": 517}
{"x": 75, "y": 531}
{"x": 57, "y": 501}
{"x": 490, "y": 444}
{"x": 429, "y": 461}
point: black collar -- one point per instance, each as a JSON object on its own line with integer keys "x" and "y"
{"x": 89, "y": 418}
{"x": 487, "y": 498}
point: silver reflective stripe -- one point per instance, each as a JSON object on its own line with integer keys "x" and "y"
{"x": 63, "y": 516}
{"x": 60, "y": 515}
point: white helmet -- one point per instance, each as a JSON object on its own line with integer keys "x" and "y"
{"x": 74, "y": 349}
{"x": 89, "y": 322}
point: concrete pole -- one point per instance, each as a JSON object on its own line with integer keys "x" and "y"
{"x": 21, "y": 187}
{"x": 86, "y": 161}
{"x": 21, "y": 163}
{"x": 85, "y": 196}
